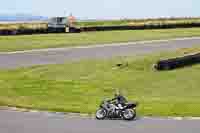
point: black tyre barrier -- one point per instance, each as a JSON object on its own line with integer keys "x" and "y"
{"x": 140, "y": 27}
{"x": 8, "y": 32}
{"x": 31, "y": 31}
{"x": 34, "y": 31}
{"x": 178, "y": 62}
{"x": 74, "y": 30}
{"x": 23, "y": 32}
{"x": 56, "y": 30}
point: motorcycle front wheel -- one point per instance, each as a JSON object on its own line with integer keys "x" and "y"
{"x": 101, "y": 114}
{"x": 129, "y": 114}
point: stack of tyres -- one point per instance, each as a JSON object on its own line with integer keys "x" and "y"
{"x": 8, "y": 32}
{"x": 74, "y": 30}
{"x": 56, "y": 30}
{"x": 178, "y": 62}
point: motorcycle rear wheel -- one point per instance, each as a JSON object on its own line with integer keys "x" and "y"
{"x": 129, "y": 114}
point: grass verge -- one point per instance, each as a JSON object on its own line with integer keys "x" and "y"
{"x": 29, "y": 42}
{"x": 80, "y": 86}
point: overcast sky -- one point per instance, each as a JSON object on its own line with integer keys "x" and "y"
{"x": 103, "y": 8}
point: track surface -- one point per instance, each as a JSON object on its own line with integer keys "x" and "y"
{"x": 62, "y": 55}
{"x": 26, "y": 122}
{"x": 21, "y": 122}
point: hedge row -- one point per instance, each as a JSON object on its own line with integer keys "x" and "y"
{"x": 99, "y": 28}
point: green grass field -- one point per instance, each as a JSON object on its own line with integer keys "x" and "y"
{"x": 80, "y": 86}
{"x": 29, "y": 42}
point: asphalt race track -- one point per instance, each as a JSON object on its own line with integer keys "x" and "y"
{"x": 26, "y": 122}
{"x": 41, "y": 122}
{"x": 62, "y": 55}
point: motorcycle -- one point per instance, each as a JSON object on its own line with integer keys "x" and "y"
{"x": 109, "y": 109}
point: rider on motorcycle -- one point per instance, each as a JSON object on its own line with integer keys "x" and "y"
{"x": 118, "y": 107}
{"x": 119, "y": 100}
